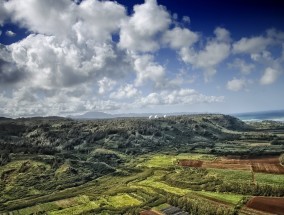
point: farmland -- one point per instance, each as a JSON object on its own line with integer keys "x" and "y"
{"x": 199, "y": 164}
{"x": 270, "y": 205}
{"x": 265, "y": 164}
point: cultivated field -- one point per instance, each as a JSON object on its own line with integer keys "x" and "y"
{"x": 265, "y": 164}
{"x": 267, "y": 204}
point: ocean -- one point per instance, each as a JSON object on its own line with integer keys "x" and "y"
{"x": 260, "y": 116}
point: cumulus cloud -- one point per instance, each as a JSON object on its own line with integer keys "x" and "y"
{"x": 147, "y": 69}
{"x": 251, "y": 45}
{"x": 182, "y": 96}
{"x": 270, "y": 76}
{"x": 96, "y": 19}
{"x": 32, "y": 14}
{"x": 236, "y": 84}
{"x": 9, "y": 73}
{"x": 140, "y": 31}
{"x": 3, "y": 13}
{"x": 125, "y": 92}
{"x": 208, "y": 58}
{"x": 178, "y": 38}
{"x": 106, "y": 85}
{"x": 222, "y": 34}
{"x": 244, "y": 67}
{"x": 52, "y": 62}
{"x": 10, "y": 33}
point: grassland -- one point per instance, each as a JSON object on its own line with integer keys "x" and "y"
{"x": 225, "y": 197}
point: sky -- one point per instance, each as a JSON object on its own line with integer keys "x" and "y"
{"x": 69, "y": 57}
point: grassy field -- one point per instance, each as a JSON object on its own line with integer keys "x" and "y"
{"x": 78, "y": 209}
{"x": 271, "y": 179}
{"x": 81, "y": 204}
{"x": 122, "y": 200}
{"x": 231, "y": 175}
{"x": 55, "y": 206}
{"x": 225, "y": 197}
{"x": 246, "y": 176}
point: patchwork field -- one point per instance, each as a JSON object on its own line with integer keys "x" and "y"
{"x": 265, "y": 165}
{"x": 162, "y": 181}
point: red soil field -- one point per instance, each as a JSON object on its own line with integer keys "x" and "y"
{"x": 228, "y": 164}
{"x": 265, "y": 164}
{"x": 149, "y": 213}
{"x": 272, "y": 205}
{"x": 190, "y": 163}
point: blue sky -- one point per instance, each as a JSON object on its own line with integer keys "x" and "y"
{"x": 70, "y": 57}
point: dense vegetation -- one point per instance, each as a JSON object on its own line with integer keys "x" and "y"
{"x": 124, "y": 166}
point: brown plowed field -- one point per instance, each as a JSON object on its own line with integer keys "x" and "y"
{"x": 150, "y": 212}
{"x": 265, "y": 164}
{"x": 190, "y": 163}
{"x": 272, "y": 205}
{"x": 228, "y": 164}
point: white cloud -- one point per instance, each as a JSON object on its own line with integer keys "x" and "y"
{"x": 91, "y": 19}
{"x": 182, "y": 96}
{"x": 222, "y": 34}
{"x": 32, "y": 14}
{"x": 236, "y": 84}
{"x": 212, "y": 55}
{"x": 139, "y": 32}
{"x": 245, "y": 68}
{"x": 106, "y": 85}
{"x": 275, "y": 35}
{"x": 10, "y": 33}
{"x": 251, "y": 45}
{"x": 270, "y": 76}
{"x": 214, "y": 52}
{"x": 126, "y": 92}
{"x": 54, "y": 63}
{"x": 180, "y": 37}
{"x": 3, "y": 13}
{"x": 186, "y": 19}
{"x": 261, "y": 57}
{"x": 146, "y": 69}
{"x": 98, "y": 20}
